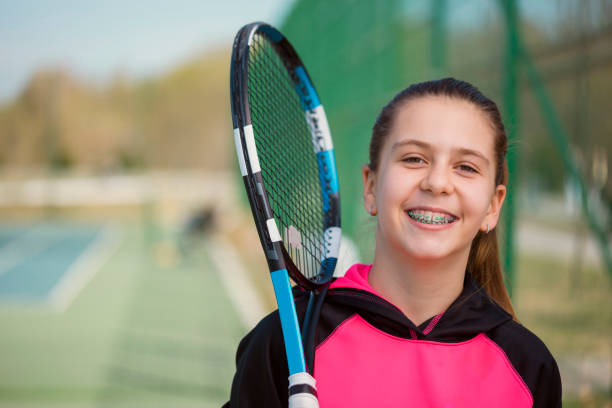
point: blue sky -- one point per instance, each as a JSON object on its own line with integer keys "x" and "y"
{"x": 94, "y": 40}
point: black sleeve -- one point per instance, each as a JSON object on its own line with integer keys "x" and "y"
{"x": 548, "y": 386}
{"x": 533, "y": 362}
{"x": 261, "y": 378}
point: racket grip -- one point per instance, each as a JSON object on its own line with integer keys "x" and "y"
{"x": 302, "y": 391}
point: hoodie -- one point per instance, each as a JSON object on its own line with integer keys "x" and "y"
{"x": 369, "y": 354}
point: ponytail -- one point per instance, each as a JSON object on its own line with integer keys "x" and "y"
{"x": 484, "y": 266}
{"x": 483, "y": 262}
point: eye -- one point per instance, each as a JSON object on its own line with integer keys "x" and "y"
{"x": 413, "y": 160}
{"x": 467, "y": 168}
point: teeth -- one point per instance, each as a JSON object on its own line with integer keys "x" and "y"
{"x": 428, "y": 217}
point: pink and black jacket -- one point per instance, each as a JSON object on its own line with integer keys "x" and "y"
{"x": 369, "y": 354}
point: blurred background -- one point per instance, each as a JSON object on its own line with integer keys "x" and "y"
{"x": 123, "y": 220}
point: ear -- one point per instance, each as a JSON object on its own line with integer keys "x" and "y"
{"x": 495, "y": 206}
{"x": 369, "y": 192}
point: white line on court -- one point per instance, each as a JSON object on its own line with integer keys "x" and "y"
{"x": 84, "y": 268}
{"x": 236, "y": 281}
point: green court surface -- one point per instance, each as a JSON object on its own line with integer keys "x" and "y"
{"x": 153, "y": 327}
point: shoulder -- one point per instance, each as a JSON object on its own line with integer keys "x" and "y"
{"x": 267, "y": 334}
{"x": 265, "y": 340}
{"x": 261, "y": 367}
{"x": 532, "y": 361}
{"x": 521, "y": 343}
{"x": 264, "y": 337}
{"x": 261, "y": 377}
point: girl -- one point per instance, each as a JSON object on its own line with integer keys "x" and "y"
{"x": 429, "y": 323}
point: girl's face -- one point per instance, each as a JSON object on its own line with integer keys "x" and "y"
{"x": 435, "y": 185}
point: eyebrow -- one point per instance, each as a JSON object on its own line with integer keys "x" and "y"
{"x": 424, "y": 145}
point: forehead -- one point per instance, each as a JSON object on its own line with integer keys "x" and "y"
{"x": 444, "y": 122}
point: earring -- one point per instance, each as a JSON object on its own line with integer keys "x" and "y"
{"x": 487, "y": 228}
{"x": 373, "y": 211}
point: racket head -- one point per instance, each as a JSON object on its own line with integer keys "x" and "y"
{"x": 286, "y": 156}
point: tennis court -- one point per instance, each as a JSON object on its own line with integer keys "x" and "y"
{"x": 108, "y": 313}
{"x": 47, "y": 264}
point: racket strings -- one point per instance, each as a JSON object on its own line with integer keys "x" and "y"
{"x": 287, "y": 159}
{"x": 299, "y": 148}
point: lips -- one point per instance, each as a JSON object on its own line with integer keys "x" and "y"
{"x": 431, "y": 216}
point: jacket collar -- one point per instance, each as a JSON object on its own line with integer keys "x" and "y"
{"x": 473, "y": 312}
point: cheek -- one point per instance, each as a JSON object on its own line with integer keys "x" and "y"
{"x": 477, "y": 199}
{"x": 395, "y": 185}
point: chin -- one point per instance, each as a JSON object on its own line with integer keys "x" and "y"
{"x": 425, "y": 252}
{"x": 431, "y": 250}
{"x": 424, "y": 255}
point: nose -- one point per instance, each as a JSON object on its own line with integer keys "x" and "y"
{"x": 437, "y": 179}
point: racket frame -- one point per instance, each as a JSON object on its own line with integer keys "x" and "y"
{"x": 279, "y": 262}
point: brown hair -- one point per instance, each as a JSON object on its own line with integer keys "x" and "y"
{"x": 483, "y": 261}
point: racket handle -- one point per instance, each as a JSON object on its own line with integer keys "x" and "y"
{"x": 302, "y": 391}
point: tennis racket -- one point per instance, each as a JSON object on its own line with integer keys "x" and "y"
{"x": 286, "y": 158}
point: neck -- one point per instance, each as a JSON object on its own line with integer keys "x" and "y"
{"x": 420, "y": 288}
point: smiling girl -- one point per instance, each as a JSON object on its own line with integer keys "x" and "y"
{"x": 429, "y": 323}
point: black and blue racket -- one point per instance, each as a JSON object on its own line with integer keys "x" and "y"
{"x": 286, "y": 158}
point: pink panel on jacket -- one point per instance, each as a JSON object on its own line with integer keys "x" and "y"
{"x": 361, "y": 366}
{"x": 356, "y": 277}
